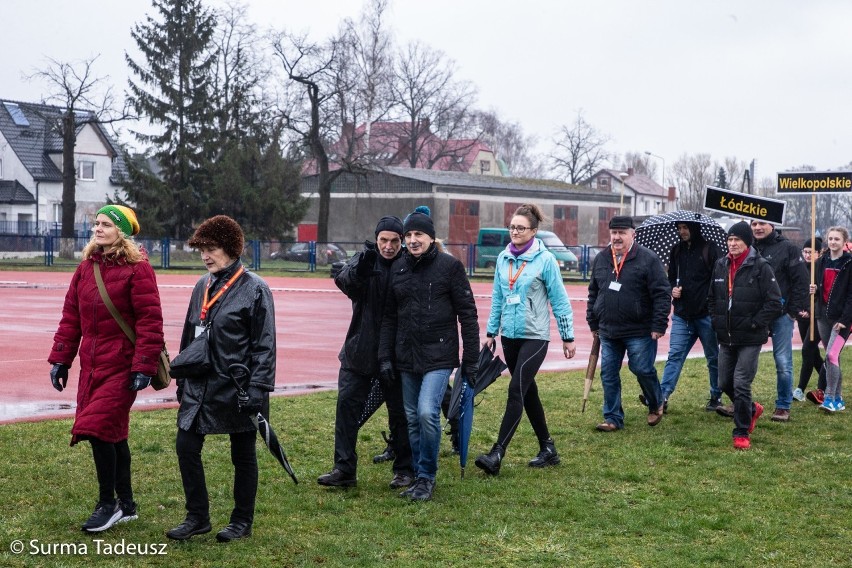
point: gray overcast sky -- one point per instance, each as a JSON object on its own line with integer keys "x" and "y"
{"x": 756, "y": 79}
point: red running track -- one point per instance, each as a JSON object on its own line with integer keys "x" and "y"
{"x": 312, "y": 317}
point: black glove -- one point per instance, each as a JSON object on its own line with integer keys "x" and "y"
{"x": 254, "y": 404}
{"x": 139, "y": 381}
{"x": 470, "y": 372}
{"x": 386, "y": 374}
{"x": 366, "y": 263}
{"x": 58, "y": 373}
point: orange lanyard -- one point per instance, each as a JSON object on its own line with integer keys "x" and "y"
{"x": 618, "y": 265}
{"x": 205, "y": 306}
{"x": 513, "y": 279}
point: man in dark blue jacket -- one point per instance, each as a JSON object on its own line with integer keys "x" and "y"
{"x": 628, "y": 309}
{"x": 690, "y": 272}
{"x": 365, "y": 279}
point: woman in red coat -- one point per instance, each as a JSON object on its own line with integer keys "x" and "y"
{"x": 112, "y": 368}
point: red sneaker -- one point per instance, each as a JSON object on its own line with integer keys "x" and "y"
{"x": 816, "y": 396}
{"x": 741, "y": 443}
{"x": 758, "y": 410}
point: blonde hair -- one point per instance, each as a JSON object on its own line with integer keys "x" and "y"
{"x": 842, "y": 230}
{"x": 124, "y": 248}
{"x": 532, "y": 212}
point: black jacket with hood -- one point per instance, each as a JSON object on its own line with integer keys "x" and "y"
{"x": 755, "y": 302}
{"x": 430, "y": 296}
{"x": 787, "y": 263}
{"x": 839, "y": 305}
{"x": 368, "y": 289}
{"x": 691, "y": 267}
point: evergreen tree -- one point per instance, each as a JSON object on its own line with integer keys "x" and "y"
{"x": 173, "y": 93}
{"x": 722, "y": 179}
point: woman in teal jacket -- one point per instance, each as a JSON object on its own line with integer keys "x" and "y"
{"x": 526, "y": 279}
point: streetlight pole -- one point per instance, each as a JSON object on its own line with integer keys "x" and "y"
{"x": 663, "y": 179}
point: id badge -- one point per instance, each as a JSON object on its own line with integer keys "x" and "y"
{"x": 615, "y": 286}
{"x": 199, "y": 329}
{"x": 513, "y": 299}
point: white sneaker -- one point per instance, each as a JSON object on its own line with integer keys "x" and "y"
{"x": 799, "y": 395}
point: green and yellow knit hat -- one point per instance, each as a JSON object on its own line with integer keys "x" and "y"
{"x": 123, "y": 217}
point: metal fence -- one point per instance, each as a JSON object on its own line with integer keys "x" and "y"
{"x": 270, "y": 256}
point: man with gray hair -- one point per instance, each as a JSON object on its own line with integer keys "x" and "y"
{"x": 628, "y": 309}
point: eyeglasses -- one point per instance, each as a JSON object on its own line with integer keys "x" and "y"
{"x": 518, "y": 228}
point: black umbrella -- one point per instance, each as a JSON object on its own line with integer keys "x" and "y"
{"x": 659, "y": 232}
{"x": 241, "y": 375}
{"x": 374, "y": 401}
{"x": 490, "y": 367}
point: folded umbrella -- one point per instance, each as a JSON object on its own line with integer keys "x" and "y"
{"x": 590, "y": 369}
{"x": 374, "y": 401}
{"x": 240, "y": 375}
{"x": 461, "y": 405}
{"x": 490, "y": 367}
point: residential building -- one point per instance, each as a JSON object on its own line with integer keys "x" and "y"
{"x": 643, "y": 196}
{"x": 31, "y": 167}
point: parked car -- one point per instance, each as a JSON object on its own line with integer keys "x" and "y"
{"x": 327, "y": 253}
{"x": 491, "y": 241}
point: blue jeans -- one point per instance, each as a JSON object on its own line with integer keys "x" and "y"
{"x": 422, "y": 395}
{"x": 683, "y": 336}
{"x": 782, "y": 350}
{"x": 641, "y": 352}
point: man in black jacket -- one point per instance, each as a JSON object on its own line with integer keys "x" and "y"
{"x": 628, "y": 309}
{"x": 744, "y": 301}
{"x": 365, "y": 279}
{"x": 787, "y": 263}
{"x": 690, "y": 272}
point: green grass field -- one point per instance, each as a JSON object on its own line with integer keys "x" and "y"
{"x": 674, "y": 495}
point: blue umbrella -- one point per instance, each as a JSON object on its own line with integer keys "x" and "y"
{"x": 461, "y": 405}
{"x": 461, "y": 398}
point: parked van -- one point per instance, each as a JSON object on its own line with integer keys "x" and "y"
{"x": 492, "y": 241}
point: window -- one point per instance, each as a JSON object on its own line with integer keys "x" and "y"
{"x": 484, "y": 166}
{"x": 85, "y": 170}
{"x": 1, "y": 169}
{"x": 603, "y": 182}
{"x": 57, "y": 212}
{"x": 647, "y": 206}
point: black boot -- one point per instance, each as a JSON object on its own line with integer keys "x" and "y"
{"x": 547, "y": 456}
{"x": 388, "y": 454}
{"x": 490, "y": 462}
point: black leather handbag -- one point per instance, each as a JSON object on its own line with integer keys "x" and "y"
{"x": 194, "y": 361}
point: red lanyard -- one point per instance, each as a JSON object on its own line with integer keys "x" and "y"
{"x": 513, "y": 279}
{"x": 618, "y": 265}
{"x": 205, "y": 306}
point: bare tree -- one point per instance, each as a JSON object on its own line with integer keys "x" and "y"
{"x": 509, "y": 143}
{"x": 331, "y": 87}
{"x": 580, "y": 150}
{"x": 640, "y": 162}
{"x": 691, "y": 175}
{"x": 435, "y": 107}
{"x": 308, "y": 109}
{"x": 76, "y": 89}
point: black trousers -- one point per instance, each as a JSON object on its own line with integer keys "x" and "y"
{"x": 811, "y": 357}
{"x": 352, "y": 391}
{"x": 524, "y": 358}
{"x": 112, "y": 466}
{"x": 244, "y": 459}
{"x": 737, "y": 368}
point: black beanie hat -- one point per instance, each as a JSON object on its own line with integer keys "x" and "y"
{"x": 389, "y": 223}
{"x": 742, "y": 231}
{"x": 419, "y": 222}
{"x": 621, "y": 222}
{"x": 219, "y": 231}
{"x": 813, "y": 244}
